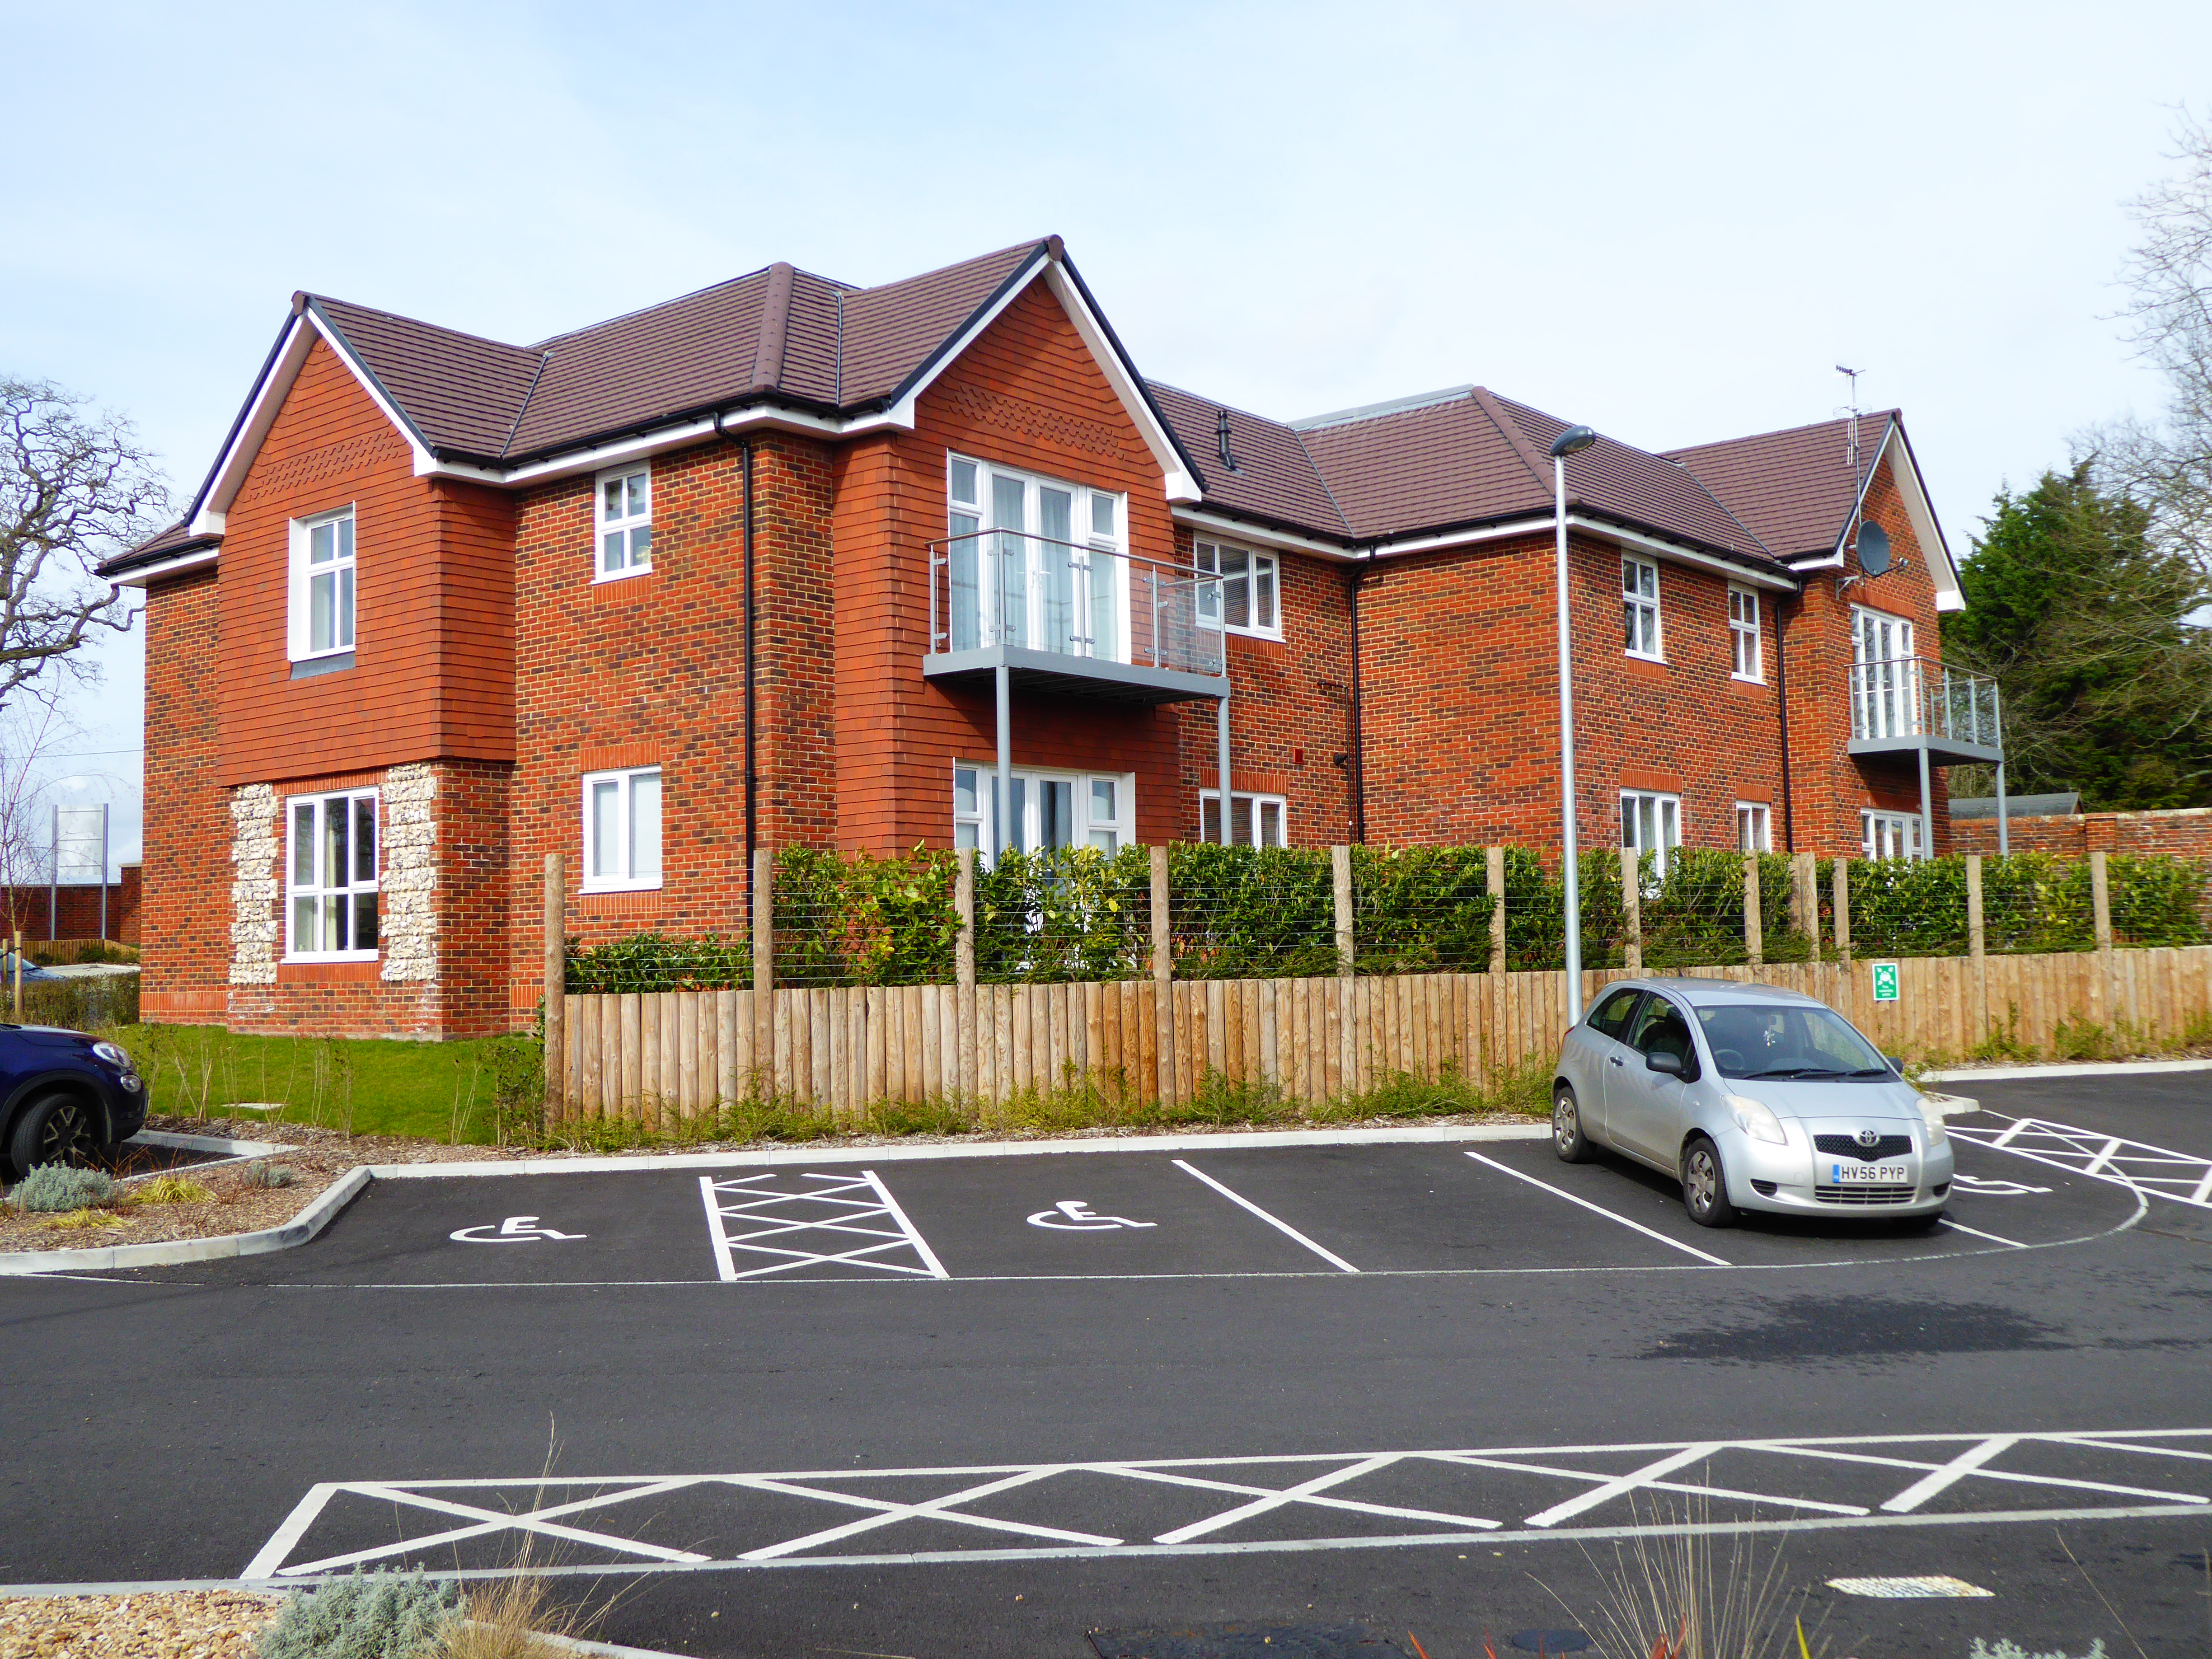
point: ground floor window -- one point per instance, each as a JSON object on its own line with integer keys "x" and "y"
{"x": 1890, "y": 835}
{"x": 1254, "y": 820}
{"x": 1754, "y": 831}
{"x": 622, "y": 830}
{"x": 1050, "y": 809}
{"x": 1651, "y": 824}
{"x": 330, "y": 867}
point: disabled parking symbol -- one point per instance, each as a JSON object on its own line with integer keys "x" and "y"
{"x": 515, "y": 1230}
{"x": 1075, "y": 1215}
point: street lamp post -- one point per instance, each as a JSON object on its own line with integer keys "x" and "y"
{"x": 1567, "y": 443}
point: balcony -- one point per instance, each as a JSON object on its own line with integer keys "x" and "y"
{"x": 1912, "y": 705}
{"x": 1069, "y": 619}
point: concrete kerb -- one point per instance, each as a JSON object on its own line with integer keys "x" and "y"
{"x": 334, "y": 1198}
{"x": 2088, "y": 1069}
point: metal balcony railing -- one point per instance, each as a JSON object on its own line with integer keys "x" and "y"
{"x": 1032, "y": 593}
{"x": 1908, "y": 697}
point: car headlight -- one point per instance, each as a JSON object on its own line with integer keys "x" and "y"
{"x": 1937, "y": 1135}
{"x": 114, "y": 1056}
{"x": 1756, "y": 1119}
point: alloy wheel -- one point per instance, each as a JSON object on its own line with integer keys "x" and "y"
{"x": 67, "y": 1135}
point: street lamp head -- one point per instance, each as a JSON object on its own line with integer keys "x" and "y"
{"x": 1573, "y": 439}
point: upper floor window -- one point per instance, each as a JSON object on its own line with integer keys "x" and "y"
{"x": 625, "y": 522}
{"x": 330, "y": 878}
{"x": 1639, "y": 607}
{"x": 1030, "y": 561}
{"x": 320, "y": 603}
{"x": 622, "y": 830}
{"x": 1245, "y": 599}
{"x": 1254, "y": 820}
{"x": 1651, "y": 824}
{"x": 1051, "y": 809}
{"x": 1743, "y": 634}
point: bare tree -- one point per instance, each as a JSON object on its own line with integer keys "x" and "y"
{"x": 2167, "y": 464}
{"x": 75, "y": 488}
{"x": 30, "y": 731}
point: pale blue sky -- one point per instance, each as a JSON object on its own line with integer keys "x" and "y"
{"x": 1667, "y": 221}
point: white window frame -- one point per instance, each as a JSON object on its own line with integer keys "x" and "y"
{"x": 1087, "y": 827}
{"x": 330, "y": 898}
{"x": 1889, "y": 834}
{"x": 1213, "y": 596}
{"x": 343, "y": 570}
{"x": 1746, "y": 658}
{"x": 1887, "y": 697}
{"x": 1755, "y": 827}
{"x": 625, "y": 778}
{"x": 1097, "y": 531}
{"x": 1268, "y": 814}
{"x": 1667, "y": 825}
{"x": 1635, "y": 603}
{"x": 633, "y": 528}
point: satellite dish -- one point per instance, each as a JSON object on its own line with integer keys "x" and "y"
{"x": 1873, "y": 549}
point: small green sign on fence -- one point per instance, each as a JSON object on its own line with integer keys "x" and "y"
{"x": 1885, "y": 981}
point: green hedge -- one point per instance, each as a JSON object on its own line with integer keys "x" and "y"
{"x": 1241, "y": 912}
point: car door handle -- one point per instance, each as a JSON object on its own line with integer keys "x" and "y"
{"x": 1615, "y": 1059}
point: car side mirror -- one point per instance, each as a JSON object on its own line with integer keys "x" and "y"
{"x": 1670, "y": 1065}
{"x": 1896, "y": 1063}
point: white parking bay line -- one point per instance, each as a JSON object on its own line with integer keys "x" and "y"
{"x": 1276, "y": 1222}
{"x": 1597, "y": 1209}
{"x": 1960, "y": 1227}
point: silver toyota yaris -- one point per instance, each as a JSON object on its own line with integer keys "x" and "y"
{"x": 1754, "y": 1097}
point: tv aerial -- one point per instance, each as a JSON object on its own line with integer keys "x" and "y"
{"x": 1869, "y": 541}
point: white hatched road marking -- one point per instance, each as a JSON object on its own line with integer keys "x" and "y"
{"x": 1595, "y": 1209}
{"x": 2183, "y": 1178}
{"x": 766, "y": 1216}
{"x": 1961, "y": 1227}
{"x": 1276, "y": 1222}
{"x": 1935, "y": 1463}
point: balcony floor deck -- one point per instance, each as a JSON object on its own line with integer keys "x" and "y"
{"x": 1062, "y": 674}
{"x": 1941, "y": 751}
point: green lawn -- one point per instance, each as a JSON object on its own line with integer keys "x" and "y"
{"x": 442, "y": 1091}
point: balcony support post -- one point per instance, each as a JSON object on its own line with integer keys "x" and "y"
{"x": 2004, "y": 828}
{"x": 1221, "y": 745}
{"x": 1927, "y": 810}
{"x": 1003, "y": 829}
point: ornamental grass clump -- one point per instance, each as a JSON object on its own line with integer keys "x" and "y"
{"x": 371, "y": 1615}
{"x": 52, "y": 1189}
{"x": 262, "y": 1173}
{"x": 172, "y": 1190}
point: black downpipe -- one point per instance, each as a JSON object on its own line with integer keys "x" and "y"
{"x": 1782, "y": 692}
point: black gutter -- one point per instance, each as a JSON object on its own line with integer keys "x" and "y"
{"x": 1359, "y": 573}
{"x": 1782, "y": 693}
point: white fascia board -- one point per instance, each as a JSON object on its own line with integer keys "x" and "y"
{"x": 154, "y": 573}
{"x": 268, "y": 397}
{"x": 1675, "y": 551}
{"x": 1236, "y": 530}
{"x": 646, "y": 445}
{"x": 1459, "y": 538}
{"x": 1179, "y": 485}
{"x": 1942, "y": 573}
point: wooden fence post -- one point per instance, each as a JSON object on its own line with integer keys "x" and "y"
{"x": 1755, "y": 926}
{"x": 1347, "y": 945}
{"x": 1977, "y": 943}
{"x": 2100, "y": 905}
{"x": 556, "y": 989}
{"x": 763, "y": 972}
{"x": 1163, "y": 977}
{"x": 1631, "y": 909}
{"x": 1805, "y": 895}
{"x": 963, "y": 974}
{"x": 1846, "y": 986}
{"x": 1499, "y": 1052}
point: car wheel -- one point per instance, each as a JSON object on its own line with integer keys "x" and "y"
{"x": 1568, "y": 1140}
{"x": 55, "y": 1128}
{"x": 1704, "y": 1186}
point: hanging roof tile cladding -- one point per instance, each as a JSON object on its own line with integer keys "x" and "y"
{"x": 1794, "y": 488}
{"x": 1448, "y": 460}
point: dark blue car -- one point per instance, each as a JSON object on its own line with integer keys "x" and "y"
{"x": 65, "y": 1097}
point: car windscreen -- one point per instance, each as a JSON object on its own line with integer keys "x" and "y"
{"x": 1786, "y": 1040}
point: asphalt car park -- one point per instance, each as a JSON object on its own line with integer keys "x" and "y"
{"x": 916, "y": 1406}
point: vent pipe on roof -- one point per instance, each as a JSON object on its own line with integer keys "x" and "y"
{"x": 1221, "y": 438}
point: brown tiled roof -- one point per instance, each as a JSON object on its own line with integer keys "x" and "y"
{"x": 1794, "y": 488}
{"x": 892, "y": 331}
{"x": 176, "y": 539}
{"x": 1275, "y": 477}
{"x": 462, "y": 393}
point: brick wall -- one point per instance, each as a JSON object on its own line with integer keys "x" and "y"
{"x": 185, "y": 916}
{"x": 2186, "y": 833}
{"x": 77, "y": 916}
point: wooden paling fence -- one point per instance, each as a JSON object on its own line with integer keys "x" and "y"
{"x": 662, "y": 1056}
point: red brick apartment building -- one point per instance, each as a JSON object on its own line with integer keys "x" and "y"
{"x": 791, "y": 561}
